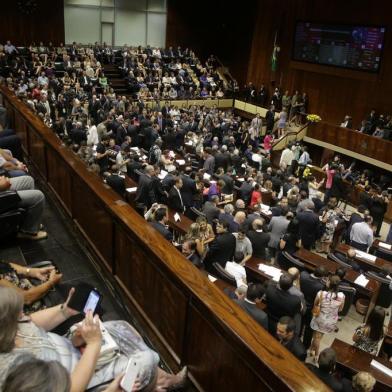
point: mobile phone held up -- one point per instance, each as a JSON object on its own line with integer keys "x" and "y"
{"x": 92, "y": 301}
{"x": 131, "y": 373}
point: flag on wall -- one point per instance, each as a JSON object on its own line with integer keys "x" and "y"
{"x": 274, "y": 58}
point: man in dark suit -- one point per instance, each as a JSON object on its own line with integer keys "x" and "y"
{"x": 308, "y": 225}
{"x": 211, "y": 210}
{"x": 188, "y": 190}
{"x": 270, "y": 118}
{"x": 160, "y": 223}
{"x": 209, "y": 161}
{"x": 285, "y": 332}
{"x": 190, "y": 252}
{"x": 174, "y": 199}
{"x": 311, "y": 284}
{"x": 326, "y": 369}
{"x": 280, "y": 302}
{"x": 245, "y": 191}
{"x": 259, "y": 239}
{"x": 144, "y": 194}
{"x": 249, "y": 304}
{"x": 222, "y": 248}
{"x": 227, "y": 179}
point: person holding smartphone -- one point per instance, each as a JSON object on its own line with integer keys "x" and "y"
{"x": 31, "y": 334}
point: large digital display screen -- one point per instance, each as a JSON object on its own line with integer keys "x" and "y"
{"x": 354, "y": 47}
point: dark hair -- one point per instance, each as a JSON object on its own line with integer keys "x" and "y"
{"x": 333, "y": 286}
{"x": 255, "y": 291}
{"x": 341, "y": 272}
{"x": 320, "y": 272}
{"x": 160, "y": 213}
{"x": 362, "y": 209}
{"x": 224, "y": 224}
{"x": 327, "y": 360}
{"x": 238, "y": 257}
{"x": 285, "y": 281}
{"x": 375, "y": 322}
{"x": 288, "y": 322}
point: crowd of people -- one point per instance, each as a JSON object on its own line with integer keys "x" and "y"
{"x": 378, "y": 125}
{"x": 192, "y": 161}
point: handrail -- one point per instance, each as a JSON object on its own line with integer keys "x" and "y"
{"x": 289, "y": 134}
{"x": 191, "y": 317}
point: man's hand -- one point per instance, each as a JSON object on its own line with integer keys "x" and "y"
{"x": 5, "y": 183}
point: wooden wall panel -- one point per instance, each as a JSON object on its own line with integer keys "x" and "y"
{"x": 59, "y": 179}
{"x": 331, "y": 96}
{"x": 219, "y": 27}
{"x": 161, "y": 301}
{"x": 90, "y": 213}
{"x": 21, "y": 130}
{"x": 37, "y": 151}
{"x": 45, "y": 23}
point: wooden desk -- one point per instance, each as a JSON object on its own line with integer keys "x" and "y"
{"x": 379, "y": 263}
{"x": 376, "y": 246}
{"x": 354, "y": 360}
{"x": 253, "y": 273}
{"x": 180, "y": 226}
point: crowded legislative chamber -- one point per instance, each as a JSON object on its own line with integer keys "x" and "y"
{"x": 195, "y": 195}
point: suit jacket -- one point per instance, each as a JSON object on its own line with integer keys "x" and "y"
{"x": 229, "y": 184}
{"x": 174, "y": 200}
{"x": 188, "y": 190}
{"x": 211, "y": 211}
{"x": 259, "y": 241}
{"x": 162, "y": 229}
{"x": 270, "y": 120}
{"x": 209, "y": 165}
{"x": 246, "y": 192}
{"x": 296, "y": 347}
{"x": 221, "y": 250}
{"x": 257, "y": 314}
{"x": 308, "y": 227}
{"x": 328, "y": 379}
{"x": 280, "y": 303}
{"x": 310, "y": 286}
{"x": 144, "y": 193}
{"x": 278, "y": 227}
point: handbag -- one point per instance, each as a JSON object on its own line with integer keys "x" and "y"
{"x": 317, "y": 308}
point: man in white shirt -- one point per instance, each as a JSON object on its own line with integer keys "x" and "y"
{"x": 236, "y": 269}
{"x": 286, "y": 157}
{"x": 361, "y": 235}
{"x": 304, "y": 159}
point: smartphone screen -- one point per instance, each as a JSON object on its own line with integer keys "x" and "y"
{"x": 92, "y": 301}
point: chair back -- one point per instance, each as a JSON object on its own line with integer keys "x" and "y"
{"x": 286, "y": 261}
{"x": 10, "y": 222}
{"x": 349, "y": 293}
{"x": 333, "y": 257}
{"x": 384, "y": 298}
{"x": 221, "y": 273}
{"x": 383, "y": 255}
{"x": 197, "y": 212}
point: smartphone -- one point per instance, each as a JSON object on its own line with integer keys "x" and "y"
{"x": 130, "y": 375}
{"x": 92, "y": 301}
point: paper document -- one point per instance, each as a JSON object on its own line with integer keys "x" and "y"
{"x": 177, "y": 217}
{"x": 274, "y": 272}
{"x": 382, "y": 368}
{"x": 240, "y": 179}
{"x": 162, "y": 174}
{"x": 134, "y": 149}
{"x": 171, "y": 154}
{"x": 365, "y": 256}
{"x": 131, "y": 190}
{"x": 361, "y": 280}
{"x": 206, "y": 176}
{"x": 265, "y": 207}
{"x": 180, "y": 162}
{"x": 211, "y": 278}
{"x": 384, "y": 245}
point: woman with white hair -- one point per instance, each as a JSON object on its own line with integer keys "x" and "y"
{"x": 80, "y": 353}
